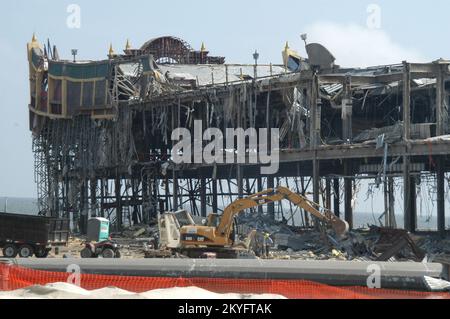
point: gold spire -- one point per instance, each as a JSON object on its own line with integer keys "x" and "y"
{"x": 203, "y": 48}
{"x": 128, "y": 45}
{"x": 111, "y": 51}
{"x": 34, "y": 39}
{"x": 287, "y": 46}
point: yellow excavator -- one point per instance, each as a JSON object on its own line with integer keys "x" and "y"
{"x": 218, "y": 234}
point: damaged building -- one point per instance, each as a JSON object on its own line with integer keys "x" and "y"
{"x": 102, "y": 131}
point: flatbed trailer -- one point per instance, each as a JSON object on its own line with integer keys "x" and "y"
{"x": 28, "y": 235}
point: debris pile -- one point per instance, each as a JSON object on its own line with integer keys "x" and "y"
{"x": 436, "y": 248}
{"x": 137, "y": 240}
{"x": 376, "y": 243}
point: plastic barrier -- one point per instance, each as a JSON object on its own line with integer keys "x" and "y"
{"x": 13, "y": 277}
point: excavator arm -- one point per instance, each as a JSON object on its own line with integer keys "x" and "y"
{"x": 275, "y": 195}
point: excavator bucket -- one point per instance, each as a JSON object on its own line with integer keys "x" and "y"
{"x": 340, "y": 227}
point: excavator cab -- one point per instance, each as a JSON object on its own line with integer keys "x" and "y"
{"x": 213, "y": 220}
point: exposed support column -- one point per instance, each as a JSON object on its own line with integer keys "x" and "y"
{"x": 410, "y": 202}
{"x": 337, "y": 198}
{"x": 215, "y": 206}
{"x": 391, "y": 200}
{"x": 406, "y": 101}
{"x": 348, "y": 190}
{"x": 413, "y": 205}
{"x": 316, "y": 113}
{"x": 136, "y": 216}
{"x": 315, "y": 125}
{"x": 271, "y": 206}
{"x": 145, "y": 199}
{"x": 102, "y": 197}
{"x": 117, "y": 190}
{"x": 203, "y": 197}
{"x": 93, "y": 191}
{"x": 408, "y": 211}
{"x": 240, "y": 181}
{"x": 347, "y": 111}
{"x": 260, "y": 189}
{"x": 84, "y": 207}
{"x": 441, "y": 107}
{"x": 407, "y": 194}
{"x": 167, "y": 203}
{"x": 175, "y": 191}
{"x": 328, "y": 194}
{"x": 316, "y": 181}
{"x": 441, "y": 196}
{"x": 270, "y": 181}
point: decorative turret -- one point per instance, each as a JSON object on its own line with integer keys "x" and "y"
{"x": 111, "y": 52}
{"x": 128, "y": 45}
{"x": 203, "y": 48}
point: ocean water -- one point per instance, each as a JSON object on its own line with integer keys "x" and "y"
{"x": 361, "y": 219}
{"x": 27, "y": 206}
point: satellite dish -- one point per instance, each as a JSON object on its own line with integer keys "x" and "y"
{"x": 319, "y": 56}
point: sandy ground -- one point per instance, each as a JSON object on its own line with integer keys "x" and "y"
{"x": 68, "y": 291}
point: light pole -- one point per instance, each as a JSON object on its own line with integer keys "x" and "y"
{"x": 74, "y": 53}
{"x": 304, "y": 37}
{"x": 256, "y": 57}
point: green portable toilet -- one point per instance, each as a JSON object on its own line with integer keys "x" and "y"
{"x": 98, "y": 229}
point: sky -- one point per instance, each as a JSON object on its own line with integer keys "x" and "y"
{"x": 357, "y": 32}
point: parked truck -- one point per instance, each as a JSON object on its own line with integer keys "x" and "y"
{"x": 26, "y": 235}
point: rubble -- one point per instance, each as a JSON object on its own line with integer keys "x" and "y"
{"x": 359, "y": 245}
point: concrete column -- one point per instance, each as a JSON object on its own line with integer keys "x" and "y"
{"x": 441, "y": 196}
{"x": 441, "y": 111}
{"x": 347, "y": 111}
{"x": 406, "y": 101}
{"x": 316, "y": 113}
{"x": 145, "y": 199}
{"x": 214, "y": 196}
{"x": 260, "y": 189}
{"x": 271, "y": 206}
{"x": 337, "y": 199}
{"x": 316, "y": 181}
{"x": 391, "y": 200}
{"x": 117, "y": 191}
{"x": 413, "y": 197}
{"x": 203, "y": 197}
{"x": 93, "y": 193}
{"x": 328, "y": 194}
{"x": 175, "y": 191}
{"x": 407, "y": 195}
{"x": 240, "y": 181}
{"x": 102, "y": 197}
{"x": 84, "y": 207}
{"x": 348, "y": 185}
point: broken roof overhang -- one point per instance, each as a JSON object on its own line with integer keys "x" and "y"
{"x": 209, "y": 74}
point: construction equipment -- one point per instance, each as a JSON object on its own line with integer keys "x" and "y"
{"x": 218, "y": 233}
{"x": 98, "y": 241}
{"x": 26, "y": 235}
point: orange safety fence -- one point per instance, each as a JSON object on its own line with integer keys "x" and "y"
{"x": 13, "y": 277}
